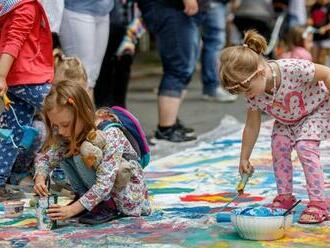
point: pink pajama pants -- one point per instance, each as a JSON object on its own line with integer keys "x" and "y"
{"x": 309, "y": 156}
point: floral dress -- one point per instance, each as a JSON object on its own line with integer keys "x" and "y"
{"x": 300, "y": 105}
{"x": 131, "y": 200}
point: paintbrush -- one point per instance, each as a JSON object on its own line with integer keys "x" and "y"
{"x": 240, "y": 188}
{"x": 293, "y": 206}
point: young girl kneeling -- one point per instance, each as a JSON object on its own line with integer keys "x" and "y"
{"x": 70, "y": 118}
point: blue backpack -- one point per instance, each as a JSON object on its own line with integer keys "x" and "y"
{"x": 132, "y": 129}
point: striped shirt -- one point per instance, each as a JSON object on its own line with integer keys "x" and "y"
{"x": 7, "y": 5}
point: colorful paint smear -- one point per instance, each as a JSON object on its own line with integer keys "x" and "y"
{"x": 187, "y": 191}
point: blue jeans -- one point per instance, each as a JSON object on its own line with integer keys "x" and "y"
{"x": 177, "y": 42}
{"x": 27, "y": 99}
{"x": 213, "y": 34}
{"x": 81, "y": 177}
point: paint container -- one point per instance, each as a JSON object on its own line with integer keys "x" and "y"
{"x": 260, "y": 227}
{"x": 42, "y": 205}
{"x": 13, "y": 209}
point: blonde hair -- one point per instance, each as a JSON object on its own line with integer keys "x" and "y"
{"x": 239, "y": 63}
{"x": 70, "y": 95}
{"x": 69, "y": 68}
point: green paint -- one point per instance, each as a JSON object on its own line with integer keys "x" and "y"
{"x": 162, "y": 191}
{"x": 198, "y": 238}
{"x": 16, "y": 220}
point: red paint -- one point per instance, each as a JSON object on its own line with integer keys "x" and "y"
{"x": 212, "y": 198}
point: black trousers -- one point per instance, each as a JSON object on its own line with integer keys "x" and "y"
{"x": 112, "y": 84}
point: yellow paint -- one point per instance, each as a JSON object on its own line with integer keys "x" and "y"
{"x": 213, "y": 198}
{"x": 219, "y": 244}
{"x": 26, "y": 222}
{"x": 166, "y": 181}
{"x": 313, "y": 236}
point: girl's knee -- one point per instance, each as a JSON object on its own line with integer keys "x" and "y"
{"x": 307, "y": 148}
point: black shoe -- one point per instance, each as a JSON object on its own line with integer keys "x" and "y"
{"x": 173, "y": 134}
{"x": 188, "y": 130}
{"x": 100, "y": 215}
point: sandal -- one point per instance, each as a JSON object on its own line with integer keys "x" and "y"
{"x": 282, "y": 201}
{"x": 318, "y": 212}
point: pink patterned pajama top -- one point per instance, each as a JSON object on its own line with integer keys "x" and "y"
{"x": 301, "y": 107}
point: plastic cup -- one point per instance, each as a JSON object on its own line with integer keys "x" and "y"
{"x": 42, "y": 205}
{"x": 13, "y": 209}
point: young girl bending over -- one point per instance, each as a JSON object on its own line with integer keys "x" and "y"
{"x": 70, "y": 120}
{"x": 294, "y": 92}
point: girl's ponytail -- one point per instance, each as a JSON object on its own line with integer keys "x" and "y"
{"x": 255, "y": 41}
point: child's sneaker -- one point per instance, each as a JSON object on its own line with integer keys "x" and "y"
{"x": 100, "y": 214}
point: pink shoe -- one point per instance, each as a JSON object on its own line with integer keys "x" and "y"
{"x": 317, "y": 211}
{"x": 282, "y": 201}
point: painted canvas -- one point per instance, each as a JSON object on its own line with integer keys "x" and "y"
{"x": 187, "y": 192}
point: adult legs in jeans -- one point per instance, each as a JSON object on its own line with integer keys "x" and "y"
{"x": 112, "y": 84}
{"x": 86, "y": 37}
{"x": 177, "y": 43}
{"x": 27, "y": 100}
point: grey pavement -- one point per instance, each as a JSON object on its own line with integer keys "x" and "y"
{"x": 211, "y": 120}
{"x": 202, "y": 115}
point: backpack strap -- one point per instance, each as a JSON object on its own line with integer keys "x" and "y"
{"x": 105, "y": 125}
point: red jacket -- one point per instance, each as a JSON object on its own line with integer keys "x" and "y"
{"x": 25, "y": 34}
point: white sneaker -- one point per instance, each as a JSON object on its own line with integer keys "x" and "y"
{"x": 220, "y": 95}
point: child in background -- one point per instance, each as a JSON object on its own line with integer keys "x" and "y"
{"x": 26, "y": 70}
{"x": 300, "y": 44}
{"x": 70, "y": 118}
{"x": 294, "y": 92}
{"x": 69, "y": 68}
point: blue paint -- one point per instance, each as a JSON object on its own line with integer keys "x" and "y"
{"x": 227, "y": 142}
{"x": 201, "y": 210}
{"x": 190, "y": 213}
{"x": 223, "y": 217}
{"x": 207, "y": 162}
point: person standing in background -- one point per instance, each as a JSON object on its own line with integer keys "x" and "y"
{"x": 54, "y": 10}
{"x": 26, "y": 73}
{"x": 211, "y": 26}
{"x": 125, "y": 29}
{"x": 173, "y": 26}
{"x": 84, "y": 33}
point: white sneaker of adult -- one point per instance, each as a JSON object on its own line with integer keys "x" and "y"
{"x": 220, "y": 95}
